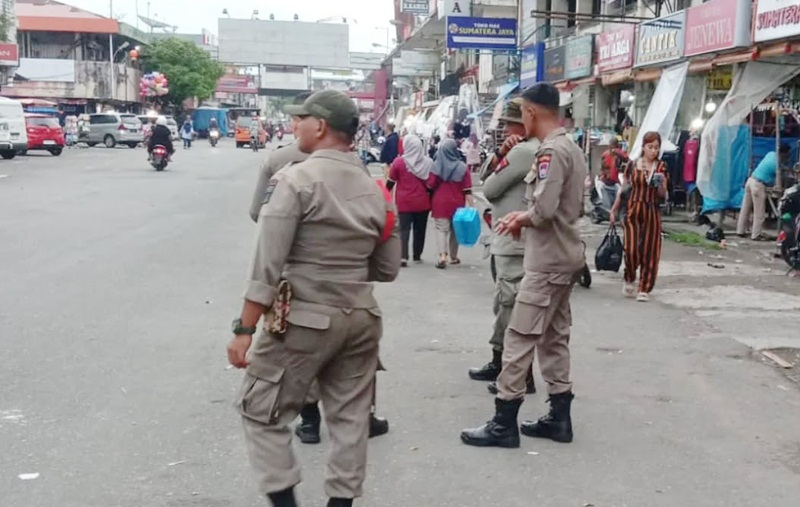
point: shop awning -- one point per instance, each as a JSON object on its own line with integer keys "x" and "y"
{"x": 502, "y": 95}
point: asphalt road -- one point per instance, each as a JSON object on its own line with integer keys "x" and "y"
{"x": 117, "y": 287}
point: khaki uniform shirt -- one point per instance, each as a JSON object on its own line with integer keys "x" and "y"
{"x": 555, "y": 199}
{"x": 505, "y": 189}
{"x": 275, "y": 161}
{"x": 320, "y": 229}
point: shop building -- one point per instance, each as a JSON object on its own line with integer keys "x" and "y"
{"x": 75, "y": 58}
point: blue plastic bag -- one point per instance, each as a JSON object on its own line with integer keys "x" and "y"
{"x": 467, "y": 225}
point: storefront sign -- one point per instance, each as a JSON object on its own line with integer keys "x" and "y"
{"x": 661, "y": 40}
{"x": 532, "y": 65}
{"x": 420, "y": 7}
{"x": 615, "y": 49}
{"x": 720, "y": 79}
{"x": 578, "y": 62}
{"x": 482, "y": 33}
{"x": 776, "y": 19}
{"x": 9, "y": 55}
{"x": 717, "y": 25}
{"x": 455, "y": 8}
{"x": 554, "y": 64}
{"x": 237, "y": 84}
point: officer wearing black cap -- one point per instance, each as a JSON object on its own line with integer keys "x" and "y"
{"x": 541, "y": 318}
{"x": 325, "y": 234}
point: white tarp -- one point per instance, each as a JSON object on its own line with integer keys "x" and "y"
{"x": 663, "y": 109}
{"x": 750, "y": 87}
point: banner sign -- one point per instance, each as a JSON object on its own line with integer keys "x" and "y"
{"x": 776, "y": 19}
{"x": 615, "y": 49}
{"x": 419, "y": 7}
{"x": 453, "y": 8}
{"x": 661, "y": 40}
{"x": 482, "y": 33}
{"x": 717, "y": 25}
{"x": 9, "y": 55}
{"x": 720, "y": 79}
{"x": 554, "y": 64}
{"x": 532, "y": 65}
{"x": 578, "y": 60}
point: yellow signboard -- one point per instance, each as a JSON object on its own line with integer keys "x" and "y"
{"x": 720, "y": 79}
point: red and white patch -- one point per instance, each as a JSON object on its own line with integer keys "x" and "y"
{"x": 502, "y": 165}
{"x": 543, "y": 166}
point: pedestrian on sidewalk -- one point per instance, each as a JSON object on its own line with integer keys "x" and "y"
{"x": 647, "y": 178}
{"x": 408, "y": 176}
{"x": 472, "y": 152}
{"x": 755, "y": 194}
{"x": 540, "y": 321}
{"x": 323, "y": 324}
{"x": 451, "y": 187}
{"x": 504, "y": 187}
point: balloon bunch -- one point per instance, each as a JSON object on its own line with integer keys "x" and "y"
{"x": 154, "y": 84}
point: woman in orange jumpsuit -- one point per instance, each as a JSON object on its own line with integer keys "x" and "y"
{"x": 647, "y": 179}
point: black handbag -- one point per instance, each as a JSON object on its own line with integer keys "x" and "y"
{"x": 609, "y": 254}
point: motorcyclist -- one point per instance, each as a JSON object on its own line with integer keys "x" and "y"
{"x": 160, "y": 135}
{"x": 254, "y": 129}
{"x": 212, "y": 125}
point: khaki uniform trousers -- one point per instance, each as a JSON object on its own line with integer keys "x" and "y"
{"x": 339, "y": 348}
{"x": 509, "y": 275}
{"x": 755, "y": 203}
{"x": 540, "y": 322}
{"x": 312, "y": 398}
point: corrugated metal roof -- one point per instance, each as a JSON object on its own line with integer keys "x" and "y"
{"x": 52, "y": 16}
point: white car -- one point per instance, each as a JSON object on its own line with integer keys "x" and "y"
{"x": 171, "y": 124}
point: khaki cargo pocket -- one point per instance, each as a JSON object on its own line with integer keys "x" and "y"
{"x": 259, "y": 395}
{"x": 306, "y": 328}
{"x": 529, "y": 313}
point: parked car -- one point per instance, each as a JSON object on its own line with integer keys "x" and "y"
{"x": 13, "y": 136}
{"x": 114, "y": 128}
{"x": 171, "y": 124}
{"x": 44, "y": 133}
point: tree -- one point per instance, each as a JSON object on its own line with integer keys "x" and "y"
{"x": 277, "y": 104}
{"x": 189, "y": 69}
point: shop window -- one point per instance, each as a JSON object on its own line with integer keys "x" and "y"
{"x": 597, "y": 7}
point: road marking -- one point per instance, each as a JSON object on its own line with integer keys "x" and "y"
{"x": 3, "y": 176}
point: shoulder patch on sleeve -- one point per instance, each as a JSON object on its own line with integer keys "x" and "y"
{"x": 543, "y": 165}
{"x": 502, "y": 165}
{"x": 269, "y": 190}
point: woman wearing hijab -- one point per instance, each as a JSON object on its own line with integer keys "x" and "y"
{"x": 409, "y": 173}
{"x": 451, "y": 185}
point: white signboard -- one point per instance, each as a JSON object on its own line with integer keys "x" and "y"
{"x": 455, "y": 8}
{"x": 776, "y": 19}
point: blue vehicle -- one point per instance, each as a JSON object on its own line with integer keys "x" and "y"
{"x": 202, "y": 118}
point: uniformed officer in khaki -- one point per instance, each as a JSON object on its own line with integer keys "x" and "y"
{"x": 275, "y": 161}
{"x": 504, "y": 187}
{"x": 541, "y": 317}
{"x": 320, "y": 241}
{"x": 310, "y": 418}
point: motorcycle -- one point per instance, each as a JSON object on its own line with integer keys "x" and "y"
{"x": 213, "y": 137}
{"x": 254, "y": 143}
{"x": 789, "y": 236}
{"x": 279, "y": 135}
{"x": 159, "y": 158}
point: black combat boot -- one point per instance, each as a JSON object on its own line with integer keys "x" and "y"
{"x": 308, "y": 429}
{"x": 377, "y": 426}
{"x": 530, "y": 387}
{"x": 489, "y": 371}
{"x": 283, "y": 498}
{"x": 557, "y": 425}
{"x": 340, "y": 502}
{"x": 501, "y": 431}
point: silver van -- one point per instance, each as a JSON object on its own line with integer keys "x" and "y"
{"x": 114, "y": 128}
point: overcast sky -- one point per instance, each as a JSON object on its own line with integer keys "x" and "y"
{"x": 191, "y": 16}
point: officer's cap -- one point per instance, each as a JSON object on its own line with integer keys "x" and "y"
{"x": 543, "y": 94}
{"x": 336, "y": 108}
{"x": 300, "y": 98}
{"x": 512, "y": 112}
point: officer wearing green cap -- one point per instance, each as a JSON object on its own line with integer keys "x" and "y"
{"x": 541, "y": 318}
{"x": 276, "y": 160}
{"x": 504, "y": 187}
{"x": 322, "y": 241}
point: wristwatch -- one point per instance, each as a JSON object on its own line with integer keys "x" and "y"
{"x": 239, "y": 329}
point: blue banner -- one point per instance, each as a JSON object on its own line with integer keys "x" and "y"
{"x": 532, "y": 65}
{"x": 482, "y": 33}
